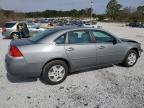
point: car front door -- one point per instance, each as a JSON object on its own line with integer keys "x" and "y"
{"x": 108, "y": 49}
{"x": 80, "y": 49}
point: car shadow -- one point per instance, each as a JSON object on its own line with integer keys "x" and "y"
{"x": 13, "y": 79}
{"x": 90, "y": 69}
{"x": 6, "y": 39}
{"x": 81, "y": 71}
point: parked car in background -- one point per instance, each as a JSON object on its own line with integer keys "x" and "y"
{"x": 142, "y": 25}
{"x": 34, "y": 28}
{"x": 33, "y": 25}
{"x": 136, "y": 24}
{"x": 10, "y": 29}
{"x": 90, "y": 25}
{"x": 55, "y": 53}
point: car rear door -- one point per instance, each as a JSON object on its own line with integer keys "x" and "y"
{"x": 108, "y": 49}
{"x": 80, "y": 49}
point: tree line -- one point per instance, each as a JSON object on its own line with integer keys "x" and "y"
{"x": 114, "y": 12}
{"x": 8, "y": 15}
{"x": 55, "y": 13}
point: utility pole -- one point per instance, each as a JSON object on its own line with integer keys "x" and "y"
{"x": 91, "y": 7}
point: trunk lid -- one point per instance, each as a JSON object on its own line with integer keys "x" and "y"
{"x": 20, "y": 42}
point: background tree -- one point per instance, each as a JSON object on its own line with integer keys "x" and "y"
{"x": 126, "y": 14}
{"x": 113, "y": 9}
{"x": 2, "y": 18}
{"x": 54, "y": 13}
{"x": 140, "y": 12}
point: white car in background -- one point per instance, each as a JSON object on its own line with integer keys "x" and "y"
{"x": 10, "y": 28}
{"x": 34, "y": 27}
{"x": 91, "y": 25}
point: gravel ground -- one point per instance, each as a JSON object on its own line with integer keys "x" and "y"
{"x": 112, "y": 87}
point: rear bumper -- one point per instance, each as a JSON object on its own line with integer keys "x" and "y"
{"x": 5, "y": 34}
{"x": 20, "y": 68}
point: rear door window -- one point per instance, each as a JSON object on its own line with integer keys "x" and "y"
{"x": 76, "y": 37}
{"x": 42, "y": 35}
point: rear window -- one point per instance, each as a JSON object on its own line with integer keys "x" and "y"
{"x": 42, "y": 35}
{"x": 9, "y": 25}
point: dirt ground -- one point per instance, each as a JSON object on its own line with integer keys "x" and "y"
{"x": 112, "y": 87}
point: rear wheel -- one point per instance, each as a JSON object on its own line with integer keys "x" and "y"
{"x": 131, "y": 58}
{"x": 14, "y": 36}
{"x": 55, "y": 72}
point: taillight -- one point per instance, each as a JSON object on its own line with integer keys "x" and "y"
{"x": 4, "y": 29}
{"x": 15, "y": 52}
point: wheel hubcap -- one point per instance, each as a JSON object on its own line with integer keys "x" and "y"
{"x": 15, "y": 36}
{"x": 132, "y": 58}
{"x": 56, "y": 73}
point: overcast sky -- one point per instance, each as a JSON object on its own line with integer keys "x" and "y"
{"x": 40, "y": 5}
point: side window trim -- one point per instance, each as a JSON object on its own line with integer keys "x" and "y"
{"x": 92, "y": 36}
{"x": 65, "y": 35}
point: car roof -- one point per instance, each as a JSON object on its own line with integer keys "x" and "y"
{"x": 61, "y": 30}
{"x": 67, "y": 29}
{"x": 76, "y": 28}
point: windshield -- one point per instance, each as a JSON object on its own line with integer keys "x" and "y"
{"x": 9, "y": 25}
{"x": 42, "y": 35}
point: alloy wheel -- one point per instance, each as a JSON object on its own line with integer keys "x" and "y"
{"x": 132, "y": 58}
{"x": 56, "y": 73}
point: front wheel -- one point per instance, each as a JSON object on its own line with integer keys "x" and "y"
{"x": 131, "y": 58}
{"x": 55, "y": 72}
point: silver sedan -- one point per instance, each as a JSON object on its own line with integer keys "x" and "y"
{"x": 55, "y": 53}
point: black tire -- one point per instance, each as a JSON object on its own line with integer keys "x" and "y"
{"x": 14, "y": 36}
{"x": 46, "y": 70}
{"x": 126, "y": 60}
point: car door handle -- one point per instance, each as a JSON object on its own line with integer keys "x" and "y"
{"x": 70, "y": 49}
{"x": 101, "y": 47}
